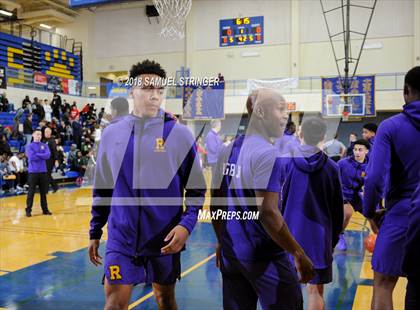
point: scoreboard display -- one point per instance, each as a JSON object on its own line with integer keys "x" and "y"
{"x": 242, "y": 31}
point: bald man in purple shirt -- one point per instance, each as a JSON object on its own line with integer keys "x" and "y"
{"x": 252, "y": 254}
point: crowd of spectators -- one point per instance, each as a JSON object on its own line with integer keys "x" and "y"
{"x": 69, "y": 132}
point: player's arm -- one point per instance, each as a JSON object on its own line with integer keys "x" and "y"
{"x": 102, "y": 195}
{"x": 195, "y": 190}
{"x": 274, "y": 224}
{"x": 44, "y": 153}
{"x": 267, "y": 184}
{"x": 378, "y": 167}
{"x": 343, "y": 150}
{"x": 216, "y": 199}
{"x": 337, "y": 212}
{"x": 347, "y": 190}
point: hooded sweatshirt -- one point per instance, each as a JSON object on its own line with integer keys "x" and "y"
{"x": 312, "y": 202}
{"x": 353, "y": 176}
{"x": 143, "y": 167}
{"x": 213, "y": 145}
{"x": 394, "y": 164}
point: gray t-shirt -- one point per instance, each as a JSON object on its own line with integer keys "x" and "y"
{"x": 333, "y": 148}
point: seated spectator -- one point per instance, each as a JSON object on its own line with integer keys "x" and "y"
{"x": 79, "y": 163}
{"x": 7, "y": 176}
{"x": 86, "y": 144}
{"x": 4, "y": 145}
{"x": 16, "y": 167}
{"x": 61, "y": 160}
{"x": 72, "y": 154}
{"x": 4, "y": 102}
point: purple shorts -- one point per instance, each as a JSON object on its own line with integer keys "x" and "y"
{"x": 273, "y": 283}
{"x": 121, "y": 269}
{"x": 387, "y": 256}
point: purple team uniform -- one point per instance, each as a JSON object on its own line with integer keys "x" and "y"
{"x": 213, "y": 146}
{"x": 312, "y": 205}
{"x": 143, "y": 167}
{"x": 353, "y": 176}
{"x": 393, "y": 171}
{"x": 253, "y": 266}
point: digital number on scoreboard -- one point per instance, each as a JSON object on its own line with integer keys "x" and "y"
{"x": 242, "y": 31}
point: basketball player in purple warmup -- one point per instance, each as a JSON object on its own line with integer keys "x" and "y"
{"x": 393, "y": 172}
{"x": 369, "y": 132}
{"x": 312, "y": 204}
{"x": 353, "y": 173}
{"x": 288, "y": 141}
{"x": 213, "y": 144}
{"x": 251, "y": 253}
{"x": 144, "y": 163}
{"x": 412, "y": 254}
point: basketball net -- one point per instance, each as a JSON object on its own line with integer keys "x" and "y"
{"x": 173, "y": 14}
{"x": 345, "y": 116}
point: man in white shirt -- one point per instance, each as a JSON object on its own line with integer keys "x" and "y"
{"x": 16, "y": 166}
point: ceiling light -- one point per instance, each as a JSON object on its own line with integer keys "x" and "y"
{"x": 45, "y": 26}
{"x": 7, "y": 13}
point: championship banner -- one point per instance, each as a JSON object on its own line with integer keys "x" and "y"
{"x": 3, "y": 79}
{"x": 64, "y": 86}
{"x": 54, "y": 84}
{"x": 204, "y": 102}
{"x": 115, "y": 90}
{"x": 74, "y": 87}
{"x": 362, "y": 93}
{"x": 40, "y": 79}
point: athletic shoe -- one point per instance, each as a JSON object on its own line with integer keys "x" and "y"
{"x": 341, "y": 245}
{"x": 19, "y": 188}
{"x": 47, "y": 212}
{"x": 28, "y": 214}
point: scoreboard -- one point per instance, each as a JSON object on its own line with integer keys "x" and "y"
{"x": 242, "y": 31}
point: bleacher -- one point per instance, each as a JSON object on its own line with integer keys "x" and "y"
{"x": 6, "y": 120}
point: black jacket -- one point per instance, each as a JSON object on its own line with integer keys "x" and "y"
{"x": 53, "y": 150}
{"x": 27, "y": 127}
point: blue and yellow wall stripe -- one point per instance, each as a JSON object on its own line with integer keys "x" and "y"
{"x": 26, "y": 56}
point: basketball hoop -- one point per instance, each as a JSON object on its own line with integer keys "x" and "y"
{"x": 173, "y": 14}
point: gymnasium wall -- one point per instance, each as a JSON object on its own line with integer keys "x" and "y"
{"x": 385, "y": 101}
{"x": 106, "y": 32}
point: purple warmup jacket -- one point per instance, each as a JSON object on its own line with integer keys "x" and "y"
{"x": 412, "y": 245}
{"x": 37, "y": 153}
{"x": 394, "y": 164}
{"x": 213, "y": 146}
{"x": 352, "y": 180}
{"x": 312, "y": 202}
{"x": 143, "y": 168}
